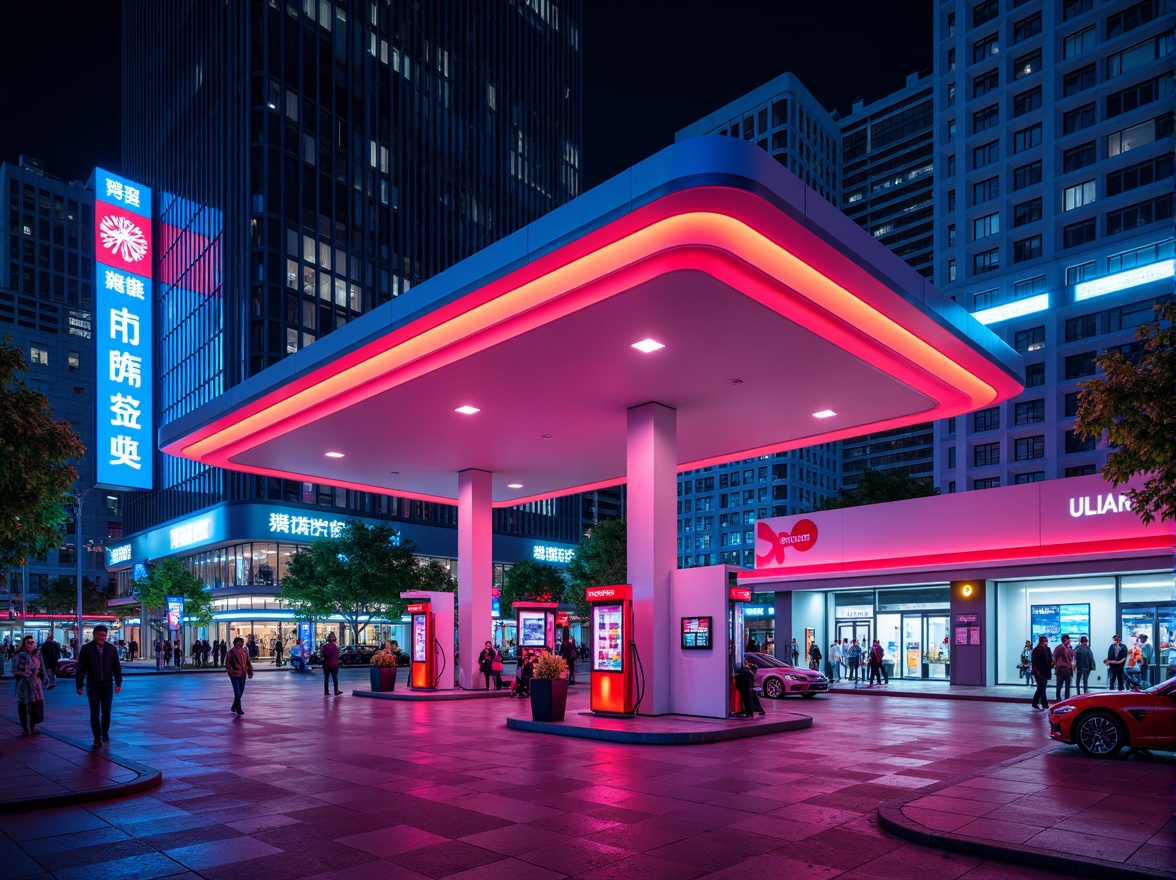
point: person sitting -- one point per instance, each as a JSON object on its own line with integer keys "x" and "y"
{"x": 522, "y": 685}
{"x": 298, "y": 657}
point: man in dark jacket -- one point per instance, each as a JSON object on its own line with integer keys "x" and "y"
{"x": 50, "y": 654}
{"x": 100, "y": 674}
{"x": 1041, "y": 660}
{"x": 1116, "y": 660}
{"x": 570, "y": 654}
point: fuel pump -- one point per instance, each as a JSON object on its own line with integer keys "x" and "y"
{"x": 614, "y": 651}
{"x": 421, "y": 672}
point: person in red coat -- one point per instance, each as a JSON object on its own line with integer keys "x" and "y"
{"x": 330, "y": 654}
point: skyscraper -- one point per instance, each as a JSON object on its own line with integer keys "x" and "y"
{"x": 312, "y": 160}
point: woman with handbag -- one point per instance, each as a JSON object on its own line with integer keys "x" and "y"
{"x": 486, "y": 664}
{"x": 30, "y": 697}
{"x": 1025, "y": 668}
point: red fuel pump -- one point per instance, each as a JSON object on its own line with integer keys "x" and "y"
{"x": 614, "y": 651}
{"x": 421, "y": 673}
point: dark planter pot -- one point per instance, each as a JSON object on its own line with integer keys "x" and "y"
{"x": 383, "y": 678}
{"x": 549, "y": 699}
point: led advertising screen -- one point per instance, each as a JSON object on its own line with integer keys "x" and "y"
{"x": 420, "y": 644}
{"x": 306, "y": 633}
{"x": 175, "y": 612}
{"x": 1058, "y": 620}
{"x": 532, "y": 629}
{"x": 123, "y": 331}
{"x": 696, "y": 633}
{"x": 608, "y": 653}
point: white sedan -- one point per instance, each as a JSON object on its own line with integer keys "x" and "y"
{"x": 775, "y": 678}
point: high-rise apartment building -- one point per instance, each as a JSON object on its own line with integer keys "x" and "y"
{"x": 46, "y": 308}
{"x": 1053, "y": 153}
{"x": 313, "y": 159}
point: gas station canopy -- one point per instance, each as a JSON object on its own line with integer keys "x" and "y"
{"x": 781, "y": 323}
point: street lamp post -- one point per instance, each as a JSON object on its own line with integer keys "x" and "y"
{"x": 78, "y": 558}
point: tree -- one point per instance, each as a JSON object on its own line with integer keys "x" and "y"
{"x": 170, "y": 578}
{"x": 60, "y": 596}
{"x": 530, "y": 581}
{"x": 357, "y": 575}
{"x": 876, "y": 487}
{"x": 1134, "y": 406}
{"x": 435, "y": 577}
{"x": 36, "y": 477}
{"x": 601, "y": 561}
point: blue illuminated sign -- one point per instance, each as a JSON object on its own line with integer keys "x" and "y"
{"x": 1125, "y": 280}
{"x": 123, "y": 331}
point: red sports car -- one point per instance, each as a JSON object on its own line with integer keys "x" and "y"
{"x": 1103, "y": 723}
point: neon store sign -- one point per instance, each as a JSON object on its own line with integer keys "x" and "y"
{"x": 544, "y": 553}
{"x": 123, "y": 330}
{"x": 1099, "y": 505}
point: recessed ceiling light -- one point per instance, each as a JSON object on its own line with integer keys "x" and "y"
{"x": 334, "y": 455}
{"x": 467, "y": 410}
{"x": 514, "y": 485}
{"x": 648, "y": 345}
{"x": 824, "y": 414}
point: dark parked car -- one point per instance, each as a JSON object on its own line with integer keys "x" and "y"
{"x": 358, "y": 655}
{"x": 776, "y": 678}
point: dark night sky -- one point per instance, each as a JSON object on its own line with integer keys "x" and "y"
{"x": 651, "y": 67}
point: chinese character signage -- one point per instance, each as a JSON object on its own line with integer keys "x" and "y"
{"x": 123, "y": 331}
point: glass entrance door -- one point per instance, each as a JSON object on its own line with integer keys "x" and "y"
{"x": 1150, "y": 626}
{"x": 938, "y": 646}
{"x": 911, "y": 661}
{"x": 858, "y": 629}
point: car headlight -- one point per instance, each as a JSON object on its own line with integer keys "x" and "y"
{"x": 795, "y": 677}
{"x": 1063, "y": 710}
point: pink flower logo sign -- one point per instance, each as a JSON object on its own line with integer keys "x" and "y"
{"x": 802, "y": 538}
{"x": 122, "y": 241}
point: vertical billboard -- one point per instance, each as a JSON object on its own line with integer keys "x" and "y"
{"x": 123, "y": 313}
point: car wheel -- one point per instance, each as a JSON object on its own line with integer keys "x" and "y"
{"x": 1100, "y": 735}
{"x": 808, "y": 696}
{"x": 773, "y": 688}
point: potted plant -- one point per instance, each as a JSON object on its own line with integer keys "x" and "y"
{"x": 383, "y": 671}
{"x": 549, "y": 688}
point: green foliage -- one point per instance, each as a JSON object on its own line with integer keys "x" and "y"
{"x": 60, "y": 596}
{"x": 877, "y": 487}
{"x": 530, "y": 581}
{"x": 1134, "y": 406}
{"x": 601, "y": 561}
{"x": 36, "y": 477}
{"x": 360, "y": 573}
{"x": 170, "y": 578}
{"x": 435, "y": 577}
{"x": 550, "y": 666}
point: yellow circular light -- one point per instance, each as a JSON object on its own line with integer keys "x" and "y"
{"x": 967, "y": 590}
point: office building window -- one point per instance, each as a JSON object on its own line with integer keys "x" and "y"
{"x": 951, "y": 200}
{"x": 1032, "y": 339}
{"x": 951, "y": 487}
{"x": 985, "y": 47}
{"x": 1142, "y": 256}
{"x": 951, "y": 130}
{"x": 986, "y": 261}
{"x": 985, "y": 454}
{"x": 1071, "y": 404}
{"x": 1137, "y": 56}
{"x": 985, "y": 11}
{"x": 1138, "y": 95}
{"x": 1028, "y": 448}
{"x": 951, "y": 65}
{"x": 1079, "y": 42}
{"x": 1079, "y": 366}
{"x": 951, "y": 234}
{"x": 951, "y": 23}
{"x": 1078, "y": 119}
{"x": 1034, "y": 375}
{"x": 1029, "y": 287}
{"x": 1134, "y": 216}
{"x": 1082, "y": 327}
{"x": 985, "y": 154}
{"x": 985, "y": 83}
{"x": 1031, "y": 477}
{"x": 1027, "y": 27}
{"x": 951, "y": 456}
{"x": 984, "y": 299}
{"x": 951, "y": 270}
{"x": 1027, "y": 138}
{"x": 1139, "y": 135}
{"x": 1083, "y": 470}
{"x": 38, "y": 355}
{"x": 1027, "y": 175}
{"x": 1078, "y": 81}
{"x": 1074, "y": 443}
{"x": 1027, "y": 249}
{"x": 985, "y": 118}
{"x": 748, "y": 128}
{"x": 1077, "y": 195}
{"x": 1078, "y": 157}
{"x": 1027, "y": 212}
{"x": 951, "y": 425}
{"x": 986, "y": 419}
{"x": 1027, "y": 64}
{"x": 1027, "y": 101}
{"x": 1078, "y": 233}
{"x": 1141, "y": 174}
{"x": 1028, "y": 412}
{"x": 982, "y": 227}
{"x": 986, "y": 483}
{"x": 1129, "y": 19}
{"x": 1072, "y": 8}
{"x": 75, "y": 360}
{"x": 1080, "y": 272}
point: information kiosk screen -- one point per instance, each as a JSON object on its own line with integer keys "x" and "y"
{"x": 696, "y": 633}
{"x": 532, "y": 629}
{"x": 420, "y": 644}
{"x": 608, "y": 645}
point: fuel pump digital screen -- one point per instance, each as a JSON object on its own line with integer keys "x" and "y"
{"x": 420, "y": 644}
{"x": 532, "y": 629}
{"x": 608, "y": 645}
{"x": 696, "y": 633}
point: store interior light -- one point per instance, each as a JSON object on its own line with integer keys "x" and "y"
{"x": 467, "y": 410}
{"x": 647, "y": 345}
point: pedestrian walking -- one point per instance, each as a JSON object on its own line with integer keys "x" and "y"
{"x": 875, "y": 664}
{"x": 1145, "y": 663}
{"x": 278, "y": 652}
{"x": 1134, "y": 665}
{"x": 157, "y": 649}
{"x": 1083, "y": 665}
{"x": 132, "y": 650}
{"x": 330, "y": 654}
{"x": 854, "y": 659}
{"x": 486, "y": 666}
{"x": 814, "y": 656}
{"x": 570, "y": 654}
{"x": 795, "y": 652}
{"x": 1063, "y": 664}
{"x": 100, "y": 676}
{"x": 1042, "y": 661}
{"x": 28, "y": 670}
{"x": 1115, "y": 661}
{"x": 240, "y": 669}
{"x": 1025, "y": 666}
{"x": 835, "y": 660}
{"x": 50, "y": 654}
{"x": 178, "y": 654}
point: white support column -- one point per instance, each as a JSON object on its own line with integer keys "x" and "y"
{"x": 475, "y": 570}
{"x": 652, "y": 542}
